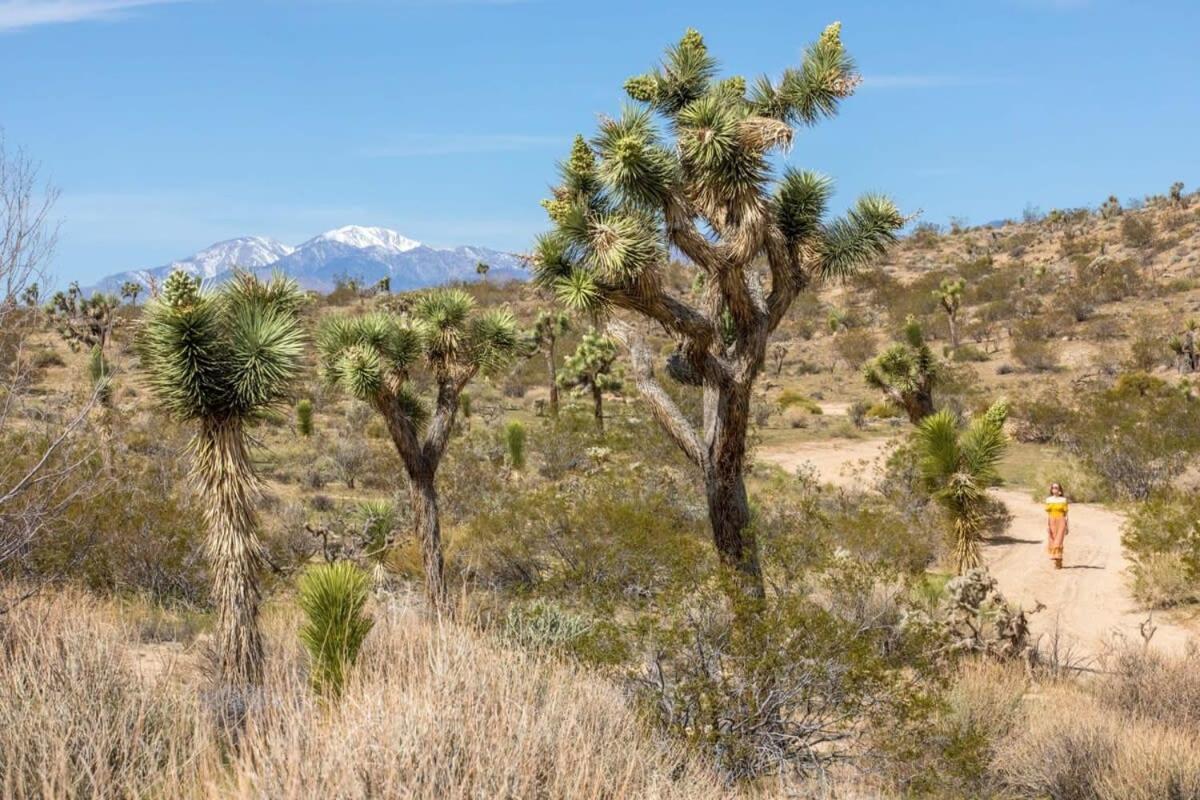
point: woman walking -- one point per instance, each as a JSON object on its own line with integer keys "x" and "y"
{"x": 1056, "y": 523}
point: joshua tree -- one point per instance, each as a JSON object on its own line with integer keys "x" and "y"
{"x": 130, "y": 291}
{"x": 481, "y": 269}
{"x": 949, "y": 295}
{"x": 373, "y": 356}
{"x": 631, "y": 197}
{"x": 591, "y": 368}
{"x": 32, "y": 295}
{"x": 1177, "y": 194}
{"x": 1111, "y": 207}
{"x": 304, "y": 417}
{"x": 906, "y": 373}
{"x": 957, "y": 468}
{"x": 84, "y": 321}
{"x": 220, "y": 359}
{"x": 779, "y": 352}
{"x": 547, "y": 329}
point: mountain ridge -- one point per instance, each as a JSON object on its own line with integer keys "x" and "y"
{"x": 366, "y": 254}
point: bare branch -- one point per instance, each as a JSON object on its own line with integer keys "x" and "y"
{"x": 661, "y": 405}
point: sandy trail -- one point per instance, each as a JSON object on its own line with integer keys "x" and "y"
{"x": 1087, "y": 603}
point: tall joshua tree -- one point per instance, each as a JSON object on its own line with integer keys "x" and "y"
{"x": 705, "y": 188}
{"x": 373, "y": 358}
{"x": 906, "y": 373}
{"x": 548, "y": 328}
{"x": 957, "y": 467}
{"x": 219, "y": 359}
{"x": 949, "y": 296}
{"x": 591, "y": 368}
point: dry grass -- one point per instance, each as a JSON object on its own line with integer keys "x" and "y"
{"x": 432, "y": 711}
{"x": 1130, "y": 735}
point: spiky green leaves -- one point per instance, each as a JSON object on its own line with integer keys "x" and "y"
{"x": 800, "y": 203}
{"x": 863, "y": 234}
{"x": 227, "y": 354}
{"x": 333, "y": 598}
{"x": 806, "y": 95}
{"x": 370, "y": 356}
{"x": 685, "y": 75}
{"x": 593, "y": 364}
{"x": 958, "y": 466}
{"x": 633, "y": 162}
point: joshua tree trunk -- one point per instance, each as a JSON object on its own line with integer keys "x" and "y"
{"x": 429, "y": 533}
{"x": 553, "y": 373}
{"x": 598, "y": 406}
{"x": 234, "y": 552}
{"x": 953, "y": 321}
{"x": 720, "y": 454}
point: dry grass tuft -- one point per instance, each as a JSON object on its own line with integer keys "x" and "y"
{"x": 432, "y": 710}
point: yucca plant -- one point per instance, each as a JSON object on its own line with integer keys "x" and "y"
{"x": 100, "y": 375}
{"x": 219, "y": 359}
{"x": 304, "y": 417}
{"x": 957, "y": 467}
{"x": 333, "y": 598}
{"x": 906, "y": 373}
{"x": 690, "y": 170}
{"x": 548, "y": 328}
{"x": 377, "y": 520}
{"x": 514, "y": 443}
{"x": 592, "y": 368}
{"x": 373, "y": 356}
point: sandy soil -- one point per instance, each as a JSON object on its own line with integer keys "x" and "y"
{"x": 1087, "y": 603}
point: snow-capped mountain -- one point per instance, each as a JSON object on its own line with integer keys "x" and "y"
{"x": 361, "y": 253}
{"x": 247, "y": 252}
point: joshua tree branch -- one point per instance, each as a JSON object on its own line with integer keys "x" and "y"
{"x": 661, "y": 405}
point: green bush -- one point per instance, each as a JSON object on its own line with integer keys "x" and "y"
{"x": 790, "y": 398}
{"x": 1030, "y": 347}
{"x": 514, "y": 444}
{"x": 333, "y": 598}
{"x": 1162, "y": 536}
{"x": 304, "y": 417}
{"x": 1137, "y": 435}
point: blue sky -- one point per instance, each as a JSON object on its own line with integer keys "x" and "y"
{"x": 172, "y": 125}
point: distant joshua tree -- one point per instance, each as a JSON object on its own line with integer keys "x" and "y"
{"x": 130, "y": 291}
{"x": 84, "y": 322}
{"x": 219, "y": 360}
{"x": 592, "y": 368}
{"x": 482, "y": 269}
{"x": 373, "y": 357}
{"x": 703, "y": 186}
{"x": 548, "y": 328}
{"x": 906, "y": 373}
{"x": 949, "y": 295}
{"x": 1177, "y": 195}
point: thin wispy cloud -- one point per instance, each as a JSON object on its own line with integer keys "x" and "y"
{"x": 425, "y": 145}
{"x": 18, "y": 15}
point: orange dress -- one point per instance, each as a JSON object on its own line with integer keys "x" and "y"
{"x": 1056, "y": 511}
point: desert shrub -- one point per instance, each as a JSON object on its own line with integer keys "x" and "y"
{"x": 925, "y": 234}
{"x": 790, "y": 398}
{"x": 1040, "y": 418}
{"x": 1162, "y": 536}
{"x": 1148, "y": 684}
{"x": 857, "y": 412}
{"x": 1137, "y": 231}
{"x": 545, "y": 626}
{"x": 1137, "y": 435}
{"x": 789, "y": 687}
{"x": 1148, "y": 349}
{"x": 884, "y": 411}
{"x": 1030, "y": 347}
{"x": 617, "y": 534}
{"x": 304, "y": 417}
{"x": 48, "y": 357}
{"x": 967, "y": 353}
{"x": 514, "y": 444}
{"x": 854, "y": 346}
{"x": 333, "y": 598}
{"x": 349, "y": 456}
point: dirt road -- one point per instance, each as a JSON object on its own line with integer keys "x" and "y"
{"x": 1087, "y": 602}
